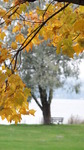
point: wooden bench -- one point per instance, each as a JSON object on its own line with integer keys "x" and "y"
{"x": 57, "y": 120}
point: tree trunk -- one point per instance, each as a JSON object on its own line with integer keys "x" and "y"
{"x": 45, "y": 106}
{"x": 46, "y": 114}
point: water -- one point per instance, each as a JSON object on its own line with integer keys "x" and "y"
{"x": 59, "y": 108}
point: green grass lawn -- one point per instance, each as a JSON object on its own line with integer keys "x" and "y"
{"x": 39, "y": 137}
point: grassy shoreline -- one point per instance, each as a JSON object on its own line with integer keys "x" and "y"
{"x": 40, "y": 137}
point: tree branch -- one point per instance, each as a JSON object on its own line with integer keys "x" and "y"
{"x": 34, "y": 97}
{"x": 36, "y": 31}
{"x": 40, "y": 27}
{"x": 79, "y": 2}
{"x": 1, "y": 108}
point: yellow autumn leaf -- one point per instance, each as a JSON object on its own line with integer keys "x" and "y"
{"x": 27, "y": 3}
{"x": 7, "y": 111}
{"x": 2, "y": 116}
{"x": 0, "y": 44}
{"x": 3, "y": 67}
{"x": 81, "y": 41}
{"x": 2, "y": 35}
{"x": 2, "y": 12}
{"x": 16, "y": 118}
{"x": 8, "y": 72}
{"x": 77, "y": 49}
{"x": 19, "y": 96}
{"x": 23, "y": 111}
{"x": 8, "y": 21}
{"x": 13, "y": 45}
{"x": 79, "y": 25}
{"x": 29, "y": 46}
{"x": 81, "y": 8}
{"x": 32, "y": 112}
{"x": 27, "y": 92}
{"x": 16, "y": 2}
{"x": 13, "y": 87}
{"x": 58, "y": 50}
{"x": 22, "y": 8}
{"x": 39, "y": 11}
{"x": 15, "y": 29}
{"x": 19, "y": 38}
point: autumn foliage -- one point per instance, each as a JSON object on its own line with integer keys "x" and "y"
{"x": 62, "y": 25}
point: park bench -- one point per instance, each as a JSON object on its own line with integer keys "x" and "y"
{"x": 57, "y": 120}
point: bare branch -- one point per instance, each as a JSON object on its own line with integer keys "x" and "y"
{"x": 47, "y": 9}
{"x": 79, "y": 2}
{"x": 34, "y": 97}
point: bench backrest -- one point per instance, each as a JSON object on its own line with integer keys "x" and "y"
{"x": 57, "y": 119}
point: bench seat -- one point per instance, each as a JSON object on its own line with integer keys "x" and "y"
{"x": 57, "y": 120}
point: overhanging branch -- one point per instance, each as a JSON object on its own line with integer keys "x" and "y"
{"x": 79, "y": 2}
{"x": 36, "y": 31}
{"x": 34, "y": 97}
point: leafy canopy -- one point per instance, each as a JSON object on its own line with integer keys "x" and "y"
{"x": 21, "y": 27}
